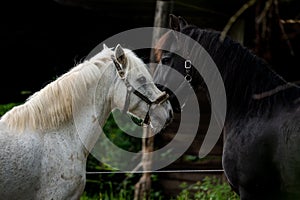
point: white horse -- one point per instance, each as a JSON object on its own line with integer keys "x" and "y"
{"x": 42, "y": 155}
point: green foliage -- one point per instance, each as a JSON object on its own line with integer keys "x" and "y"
{"x": 123, "y": 190}
{"x": 211, "y": 188}
{"x": 124, "y": 193}
{"x": 113, "y": 185}
{"x": 119, "y": 136}
{"x": 6, "y": 107}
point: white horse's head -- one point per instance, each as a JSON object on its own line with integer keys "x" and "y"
{"x": 134, "y": 91}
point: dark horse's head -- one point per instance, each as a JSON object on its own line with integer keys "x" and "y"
{"x": 185, "y": 47}
{"x": 176, "y": 57}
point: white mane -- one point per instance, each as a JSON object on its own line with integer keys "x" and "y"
{"x": 52, "y": 105}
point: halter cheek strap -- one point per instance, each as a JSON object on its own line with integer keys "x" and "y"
{"x": 188, "y": 69}
{"x": 186, "y": 87}
{"x": 130, "y": 89}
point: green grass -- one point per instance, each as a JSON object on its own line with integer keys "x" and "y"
{"x": 210, "y": 188}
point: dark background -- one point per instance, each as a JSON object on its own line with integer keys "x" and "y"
{"x": 42, "y": 39}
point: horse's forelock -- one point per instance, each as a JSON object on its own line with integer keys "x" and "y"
{"x": 161, "y": 44}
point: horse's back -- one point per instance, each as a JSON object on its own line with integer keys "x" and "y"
{"x": 20, "y": 156}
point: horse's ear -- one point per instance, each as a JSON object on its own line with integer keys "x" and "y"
{"x": 182, "y": 22}
{"x": 120, "y": 55}
{"x": 174, "y": 22}
{"x": 105, "y": 47}
{"x": 177, "y": 23}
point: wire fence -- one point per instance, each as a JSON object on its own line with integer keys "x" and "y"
{"x": 160, "y": 171}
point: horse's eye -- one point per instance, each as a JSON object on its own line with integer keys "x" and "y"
{"x": 142, "y": 80}
{"x": 165, "y": 60}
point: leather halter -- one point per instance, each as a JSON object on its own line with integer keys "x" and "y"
{"x": 188, "y": 69}
{"x": 131, "y": 89}
{"x": 187, "y": 87}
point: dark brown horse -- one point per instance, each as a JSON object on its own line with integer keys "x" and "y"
{"x": 261, "y": 155}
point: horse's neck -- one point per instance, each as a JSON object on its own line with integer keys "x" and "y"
{"x": 90, "y": 114}
{"x": 244, "y": 76}
{"x": 244, "y": 84}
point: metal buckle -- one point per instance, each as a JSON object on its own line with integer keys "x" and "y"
{"x": 187, "y": 64}
{"x": 188, "y": 78}
{"x": 121, "y": 74}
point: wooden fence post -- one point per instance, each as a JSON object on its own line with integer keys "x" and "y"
{"x": 143, "y": 186}
{"x": 161, "y": 19}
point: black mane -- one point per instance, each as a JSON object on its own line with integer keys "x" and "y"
{"x": 244, "y": 74}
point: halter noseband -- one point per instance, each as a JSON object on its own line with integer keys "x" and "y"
{"x": 131, "y": 89}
